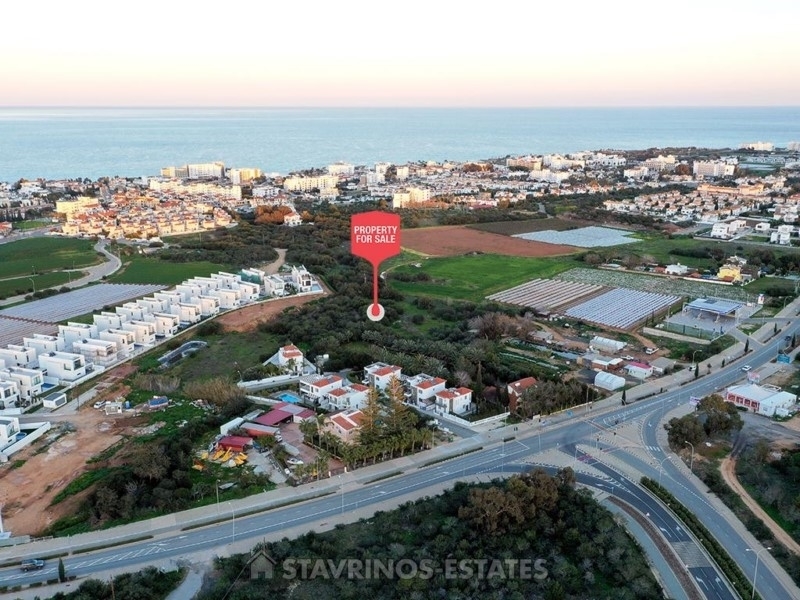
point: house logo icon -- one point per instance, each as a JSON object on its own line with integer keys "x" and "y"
{"x": 262, "y": 565}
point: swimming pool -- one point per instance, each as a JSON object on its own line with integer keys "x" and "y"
{"x": 288, "y": 397}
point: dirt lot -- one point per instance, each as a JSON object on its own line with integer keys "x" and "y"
{"x": 249, "y": 317}
{"x": 454, "y": 240}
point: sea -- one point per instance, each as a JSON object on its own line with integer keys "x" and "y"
{"x": 61, "y": 143}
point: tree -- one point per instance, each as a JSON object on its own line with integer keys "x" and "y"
{"x": 399, "y": 419}
{"x": 62, "y": 571}
{"x": 697, "y": 371}
{"x": 747, "y": 346}
{"x": 624, "y": 397}
{"x": 370, "y": 430}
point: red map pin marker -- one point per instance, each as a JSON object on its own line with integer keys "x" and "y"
{"x": 375, "y": 236}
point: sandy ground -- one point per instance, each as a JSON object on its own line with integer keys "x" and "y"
{"x": 728, "y": 469}
{"x": 50, "y": 464}
{"x": 455, "y": 240}
{"x": 249, "y": 317}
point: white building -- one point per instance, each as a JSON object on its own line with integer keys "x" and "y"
{"x": 29, "y": 381}
{"x": 107, "y": 320}
{"x": 341, "y": 169}
{"x": 124, "y": 340}
{"x": 73, "y": 332}
{"x": 213, "y": 170}
{"x": 9, "y": 394}
{"x": 316, "y": 387}
{"x": 96, "y": 351}
{"x": 42, "y": 343}
{"x": 351, "y": 397}
{"x": 603, "y": 344}
{"x": 17, "y": 356}
{"x": 291, "y": 358}
{"x": 423, "y": 389}
{"x": 144, "y": 332}
{"x": 454, "y": 400}
{"x": 64, "y": 366}
{"x": 302, "y": 279}
{"x": 639, "y": 370}
{"x": 378, "y": 375}
{"x": 166, "y": 324}
{"x": 712, "y": 168}
{"x": 767, "y": 400}
{"x": 609, "y": 381}
{"x": 274, "y": 285}
{"x": 9, "y": 428}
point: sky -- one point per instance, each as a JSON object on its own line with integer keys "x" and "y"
{"x": 410, "y": 53}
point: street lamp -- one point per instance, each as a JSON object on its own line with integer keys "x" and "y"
{"x": 691, "y": 458}
{"x": 661, "y": 468}
{"x": 233, "y": 522}
{"x": 693, "y": 353}
{"x": 33, "y": 283}
{"x": 755, "y": 572}
{"x": 341, "y": 491}
{"x": 217, "y": 484}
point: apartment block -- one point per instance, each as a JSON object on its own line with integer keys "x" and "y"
{"x": 209, "y": 305}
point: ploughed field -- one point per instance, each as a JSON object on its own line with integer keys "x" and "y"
{"x": 454, "y": 240}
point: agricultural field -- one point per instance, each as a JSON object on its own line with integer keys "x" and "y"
{"x": 657, "y": 284}
{"x": 151, "y": 269}
{"x": 473, "y": 277}
{"x": 517, "y": 227}
{"x": 457, "y": 239}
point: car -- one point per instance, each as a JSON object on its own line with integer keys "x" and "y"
{"x": 746, "y": 368}
{"x": 99, "y": 404}
{"x": 31, "y": 564}
{"x": 294, "y": 461}
{"x": 628, "y": 357}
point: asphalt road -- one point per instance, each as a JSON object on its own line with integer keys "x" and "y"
{"x": 508, "y": 456}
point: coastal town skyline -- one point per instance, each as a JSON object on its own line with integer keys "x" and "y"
{"x": 419, "y": 55}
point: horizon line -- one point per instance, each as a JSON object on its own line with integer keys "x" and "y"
{"x": 393, "y": 107}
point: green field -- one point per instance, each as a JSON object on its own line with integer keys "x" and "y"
{"x": 29, "y": 225}
{"x": 151, "y": 269}
{"x": 18, "y": 286}
{"x": 474, "y": 277}
{"x": 24, "y": 258}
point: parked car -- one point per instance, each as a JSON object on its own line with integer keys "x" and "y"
{"x": 294, "y": 461}
{"x": 99, "y": 404}
{"x": 628, "y": 357}
{"x": 31, "y": 564}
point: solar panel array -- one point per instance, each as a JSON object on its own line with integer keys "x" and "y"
{"x": 79, "y": 302}
{"x": 583, "y": 237}
{"x": 13, "y": 330}
{"x": 621, "y": 308}
{"x": 545, "y": 294}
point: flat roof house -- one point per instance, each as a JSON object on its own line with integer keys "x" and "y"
{"x": 65, "y": 366}
{"x": 17, "y": 356}
{"x": 29, "y": 381}
{"x": 9, "y": 394}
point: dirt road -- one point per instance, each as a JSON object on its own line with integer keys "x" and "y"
{"x": 728, "y": 469}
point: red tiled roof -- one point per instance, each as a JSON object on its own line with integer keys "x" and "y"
{"x": 383, "y": 371}
{"x": 429, "y": 383}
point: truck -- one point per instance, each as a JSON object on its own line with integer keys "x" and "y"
{"x": 31, "y": 564}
